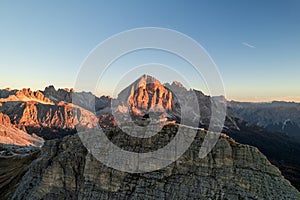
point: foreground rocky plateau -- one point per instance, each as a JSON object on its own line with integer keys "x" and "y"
{"x": 66, "y": 170}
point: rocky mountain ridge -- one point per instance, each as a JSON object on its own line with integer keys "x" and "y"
{"x": 67, "y": 170}
{"x": 25, "y": 94}
{"x": 45, "y": 119}
{"x": 12, "y": 135}
{"x": 275, "y": 116}
{"x": 58, "y": 119}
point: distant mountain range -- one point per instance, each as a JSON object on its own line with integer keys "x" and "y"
{"x": 29, "y": 117}
{"x": 276, "y": 116}
{"x": 33, "y": 112}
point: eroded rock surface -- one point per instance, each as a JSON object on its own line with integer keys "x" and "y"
{"x": 48, "y": 121}
{"x": 66, "y": 170}
{"x": 14, "y": 162}
{"x": 9, "y": 134}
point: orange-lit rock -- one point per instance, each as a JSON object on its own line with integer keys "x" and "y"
{"x": 146, "y": 95}
{"x": 9, "y": 134}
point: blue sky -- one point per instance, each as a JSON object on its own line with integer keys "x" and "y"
{"x": 255, "y": 44}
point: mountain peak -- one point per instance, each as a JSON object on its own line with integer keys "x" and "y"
{"x": 25, "y": 94}
{"x": 147, "y": 94}
{"x": 146, "y": 79}
{"x": 147, "y": 76}
{"x": 178, "y": 84}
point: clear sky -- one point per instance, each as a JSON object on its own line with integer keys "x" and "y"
{"x": 255, "y": 44}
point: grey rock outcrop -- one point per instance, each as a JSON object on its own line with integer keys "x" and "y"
{"x": 66, "y": 170}
{"x": 86, "y": 100}
{"x": 14, "y": 162}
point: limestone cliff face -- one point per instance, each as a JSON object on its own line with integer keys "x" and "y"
{"x": 12, "y": 135}
{"x": 32, "y": 95}
{"x": 51, "y": 113}
{"x": 36, "y": 117}
{"x": 147, "y": 94}
{"x": 24, "y": 95}
{"x": 58, "y": 95}
{"x": 85, "y": 100}
{"x": 65, "y": 170}
{"x": 4, "y": 119}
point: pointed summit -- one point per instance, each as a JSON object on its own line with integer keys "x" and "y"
{"x": 25, "y": 94}
{"x": 146, "y": 79}
{"x": 178, "y": 84}
{"x": 147, "y": 94}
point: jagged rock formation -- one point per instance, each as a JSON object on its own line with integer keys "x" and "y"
{"x": 276, "y": 116}
{"x": 65, "y": 170}
{"x": 4, "y": 120}
{"x": 50, "y": 113}
{"x": 274, "y": 128}
{"x": 12, "y": 135}
{"x": 50, "y": 116}
{"x": 58, "y": 95}
{"x": 4, "y": 93}
{"x": 145, "y": 95}
{"x": 23, "y": 95}
{"x": 85, "y": 100}
{"x": 205, "y": 104}
{"x": 48, "y": 121}
{"x": 282, "y": 150}
{"x": 177, "y": 84}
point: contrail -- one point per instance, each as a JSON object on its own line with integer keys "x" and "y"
{"x": 248, "y": 45}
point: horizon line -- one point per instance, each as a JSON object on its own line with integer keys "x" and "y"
{"x": 254, "y": 99}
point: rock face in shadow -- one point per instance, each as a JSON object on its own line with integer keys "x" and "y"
{"x": 66, "y": 170}
{"x": 275, "y": 116}
{"x": 14, "y": 162}
{"x": 86, "y": 100}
